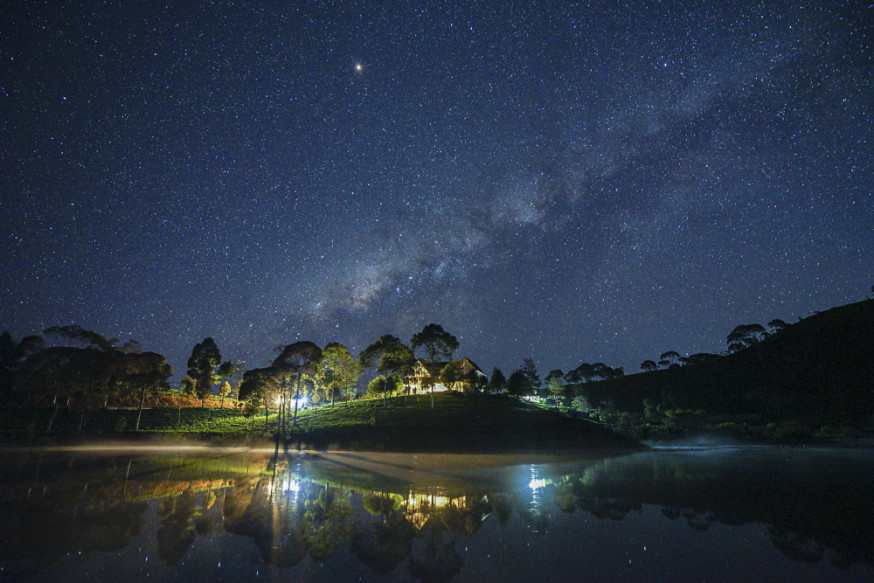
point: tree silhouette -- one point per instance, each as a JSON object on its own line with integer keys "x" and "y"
{"x": 518, "y": 384}
{"x": 391, "y": 357}
{"x": 776, "y": 325}
{"x": 497, "y": 382}
{"x": 450, "y": 375}
{"x": 205, "y": 357}
{"x": 226, "y": 370}
{"x": 744, "y": 336}
{"x": 555, "y": 373}
{"x": 437, "y": 343}
{"x": 529, "y": 369}
{"x": 556, "y": 389}
{"x": 337, "y": 370}
{"x": 148, "y": 371}
{"x": 81, "y": 336}
{"x": 297, "y": 359}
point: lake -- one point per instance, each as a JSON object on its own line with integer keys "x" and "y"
{"x": 204, "y": 514}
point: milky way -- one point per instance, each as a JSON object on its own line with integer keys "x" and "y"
{"x": 576, "y": 183}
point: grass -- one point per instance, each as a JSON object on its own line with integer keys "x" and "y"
{"x": 456, "y": 423}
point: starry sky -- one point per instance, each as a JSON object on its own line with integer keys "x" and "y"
{"x": 572, "y": 182}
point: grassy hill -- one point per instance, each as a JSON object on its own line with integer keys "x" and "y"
{"x": 457, "y": 423}
{"x": 818, "y": 371}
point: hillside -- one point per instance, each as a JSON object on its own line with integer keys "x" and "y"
{"x": 820, "y": 368}
{"x": 470, "y": 424}
{"x": 457, "y": 423}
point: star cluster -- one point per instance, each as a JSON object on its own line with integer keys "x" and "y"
{"x": 573, "y": 182}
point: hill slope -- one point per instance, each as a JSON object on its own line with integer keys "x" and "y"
{"x": 457, "y": 423}
{"x": 821, "y": 367}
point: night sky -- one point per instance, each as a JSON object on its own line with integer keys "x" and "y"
{"x": 574, "y": 182}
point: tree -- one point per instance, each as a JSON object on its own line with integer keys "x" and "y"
{"x": 744, "y": 336}
{"x": 648, "y": 366}
{"x": 672, "y": 356}
{"x": 497, "y": 382}
{"x": 518, "y": 384}
{"x": 225, "y": 390}
{"x": 776, "y": 325}
{"x": 582, "y": 374}
{"x": 555, "y": 373}
{"x": 98, "y": 371}
{"x": 148, "y": 371}
{"x": 186, "y": 388}
{"x": 81, "y": 336}
{"x": 12, "y": 356}
{"x": 93, "y": 363}
{"x": 254, "y": 391}
{"x": 390, "y": 356}
{"x": 298, "y": 359}
{"x": 474, "y": 381}
{"x": 225, "y": 371}
{"x": 450, "y": 375}
{"x": 380, "y": 384}
{"x": 205, "y": 357}
{"x": 337, "y": 371}
{"x": 556, "y": 389}
{"x": 56, "y": 375}
{"x": 529, "y": 369}
{"x": 438, "y": 344}
{"x": 700, "y": 357}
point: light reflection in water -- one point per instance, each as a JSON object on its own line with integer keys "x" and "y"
{"x": 299, "y": 511}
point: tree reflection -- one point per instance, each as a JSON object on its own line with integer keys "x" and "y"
{"x": 176, "y": 533}
{"x": 249, "y": 511}
{"x": 327, "y": 522}
{"x": 795, "y": 546}
{"x": 48, "y": 530}
{"x": 387, "y": 544}
{"x": 608, "y": 508}
{"x": 292, "y": 513}
{"x": 435, "y": 559}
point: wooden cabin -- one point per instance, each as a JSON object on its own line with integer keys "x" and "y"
{"x": 424, "y": 373}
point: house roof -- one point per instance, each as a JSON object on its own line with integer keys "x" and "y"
{"x": 435, "y": 368}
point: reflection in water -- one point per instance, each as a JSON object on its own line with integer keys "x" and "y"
{"x": 416, "y": 517}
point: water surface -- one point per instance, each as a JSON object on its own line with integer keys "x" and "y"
{"x": 718, "y": 514}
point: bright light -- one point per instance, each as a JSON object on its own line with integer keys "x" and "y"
{"x": 536, "y": 483}
{"x": 278, "y": 401}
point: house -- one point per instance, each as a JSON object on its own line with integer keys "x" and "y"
{"x": 427, "y": 373}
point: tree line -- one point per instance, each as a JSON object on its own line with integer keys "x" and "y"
{"x": 82, "y": 370}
